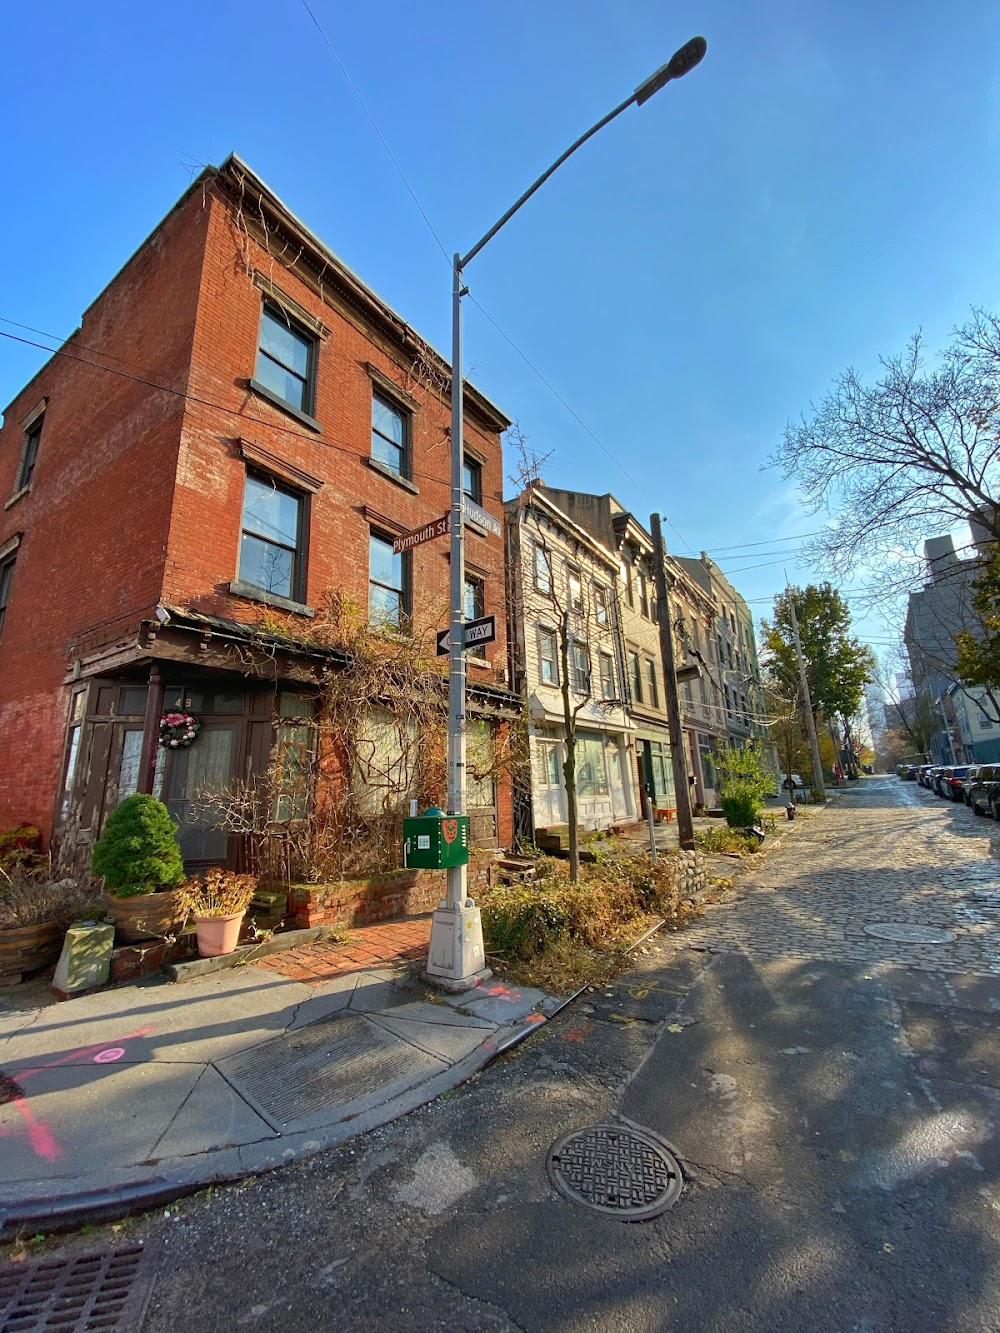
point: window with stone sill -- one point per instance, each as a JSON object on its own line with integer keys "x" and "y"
{"x": 286, "y": 358}
{"x": 272, "y": 540}
{"x": 29, "y": 455}
{"x": 390, "y": 435}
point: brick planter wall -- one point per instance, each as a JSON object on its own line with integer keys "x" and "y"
{"x": 361, "y": 902}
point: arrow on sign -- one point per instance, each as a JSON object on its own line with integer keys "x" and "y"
{"x": 475, "y": 633}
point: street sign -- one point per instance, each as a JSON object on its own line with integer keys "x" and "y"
{"x": 438, "y": 528}
{"x": 441, "y": 527}
{"x": 476, "y": 632}
{"x": 476, "y": 514}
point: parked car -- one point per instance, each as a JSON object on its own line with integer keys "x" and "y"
{"x": 925, "y": 774}
{"x": 910, "y": 773}
{"x": 967, "y": 781}
{"x": 953, "y": 786}
{"x": 985, "y": 791}
{"x": 940, "y": 778}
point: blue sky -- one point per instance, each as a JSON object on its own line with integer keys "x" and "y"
{"x": 824, "y": 183}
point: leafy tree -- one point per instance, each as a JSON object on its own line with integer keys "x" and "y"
{"x": 138, "y": 850}
{"x": 908, "y": 454}
{"x": 838, "y": 666}
{"x": 746, "y": 780}
{"x": 977, "y": 659}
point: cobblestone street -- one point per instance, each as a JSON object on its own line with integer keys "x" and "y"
{"x": 833, "y": 1099}
{"x": 886, "y": 852}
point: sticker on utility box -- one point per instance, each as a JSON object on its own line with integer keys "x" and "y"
{"x": 423, "y": 842}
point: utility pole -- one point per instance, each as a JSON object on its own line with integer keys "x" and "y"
{"x": 817, "y": 764}
{"x": 678, "y": 760}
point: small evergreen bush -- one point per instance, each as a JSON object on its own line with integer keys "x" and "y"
{"x": 138, "y": 851}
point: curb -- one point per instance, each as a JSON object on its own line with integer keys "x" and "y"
{"x": 69, "y": 1212}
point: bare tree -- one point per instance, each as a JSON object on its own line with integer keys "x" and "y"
{"x": 911, "y": 453}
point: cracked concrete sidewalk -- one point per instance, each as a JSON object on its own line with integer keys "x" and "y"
{"x": 129, "y": 1097}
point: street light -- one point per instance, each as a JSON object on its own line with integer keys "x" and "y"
{"x": 456, "y": 960}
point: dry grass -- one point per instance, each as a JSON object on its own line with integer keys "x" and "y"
{"x": 28, "y": 900}
{"x": 560, "y": 936}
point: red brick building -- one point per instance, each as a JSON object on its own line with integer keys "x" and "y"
{"x": 238, "y": 427}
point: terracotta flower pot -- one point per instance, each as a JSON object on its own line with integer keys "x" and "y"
{"x": 146, "y": 915}
{"x": 218, "y": 934}
{"x": 28, "y": 948}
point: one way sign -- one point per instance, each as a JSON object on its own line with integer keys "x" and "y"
{"x": 476, "y": 632}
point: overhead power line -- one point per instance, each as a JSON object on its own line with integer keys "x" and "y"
{"x": 506, "y": 336}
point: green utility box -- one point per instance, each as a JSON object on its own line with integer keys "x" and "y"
{"x": 434, "y": 840}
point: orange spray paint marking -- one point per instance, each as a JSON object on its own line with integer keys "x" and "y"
{"x": 43, "y": 1141}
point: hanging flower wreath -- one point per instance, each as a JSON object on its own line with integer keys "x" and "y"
{"x": 178, "y": 730}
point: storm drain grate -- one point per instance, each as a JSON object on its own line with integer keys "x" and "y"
{"x": 323, "y": 1065}
{"x": 620, "y": 1172}
{"x": 93, "y": 1293}
{"x": 905, "y": 932}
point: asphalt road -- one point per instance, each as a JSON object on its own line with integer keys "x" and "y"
{"x": 834, "y": 1099}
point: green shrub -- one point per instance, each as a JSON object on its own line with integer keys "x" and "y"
{"x": 138, "y": 851}
{"x": 740, "y": 807}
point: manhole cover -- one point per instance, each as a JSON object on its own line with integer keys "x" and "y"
{"x": 324, "y": 1065}
{"x": 621, "y": 1172}
{"x": 90, "y": 1292}
{"x": 904, "y": 932}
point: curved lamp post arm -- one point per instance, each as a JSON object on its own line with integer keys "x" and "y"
{"x": 676, "y": 67}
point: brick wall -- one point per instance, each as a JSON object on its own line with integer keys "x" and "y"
{"x": 96, "y": 519}
{"x": 205, "y": 526}
{"x": 137, "y": 493}
{"x": 360, "y": 902}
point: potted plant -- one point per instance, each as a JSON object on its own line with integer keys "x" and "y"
{"x": 139, "y": 859}
{"x": 218, "y": 901}
{"x": 34, "y": 914}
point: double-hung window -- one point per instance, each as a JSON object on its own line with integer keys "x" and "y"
{"x": 581, "y": 668}
{"x": 6, "y": 575}
{"x": 286, "y": 359}
{"x": 272, "y": 539}
{"x": 390, "y": 435}
{"x": 29, "y": 454}
{"x": 601, "y": 604}
{"x": 607, "y": 676}
{"x": 543, "y": 570}
{"x": 472, "y": 480}
{"x": 388, "y": 584}
{"x": 654, "y": 689}
{"x": 548, "y": 659}
{"x": 575, "y": 585}
{"x": 474, "y": 601}
{"x": 635, "y": 670}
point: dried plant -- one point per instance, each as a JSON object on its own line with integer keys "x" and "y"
{"x": 218, "y": 893}
{"x": 27, "y": 900}
{"x": 340, "y": 782}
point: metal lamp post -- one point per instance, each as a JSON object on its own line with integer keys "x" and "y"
{"x": 456, "y": 960}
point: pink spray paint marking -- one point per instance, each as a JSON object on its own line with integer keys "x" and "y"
{"x": 43, "y": 1142}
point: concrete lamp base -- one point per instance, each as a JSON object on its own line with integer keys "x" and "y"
{"x": 456, "y": 960}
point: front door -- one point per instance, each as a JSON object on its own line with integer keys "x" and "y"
{"x": 196, "y": 780}
{"x": 619, "y": 795}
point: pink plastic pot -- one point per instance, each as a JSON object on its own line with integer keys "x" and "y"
{"x": 218, "y": 934}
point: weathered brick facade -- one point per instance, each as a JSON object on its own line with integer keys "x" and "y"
{"x": 136, "y": 499}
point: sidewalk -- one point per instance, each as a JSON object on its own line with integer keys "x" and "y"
{"x": 120, "y": 1100}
